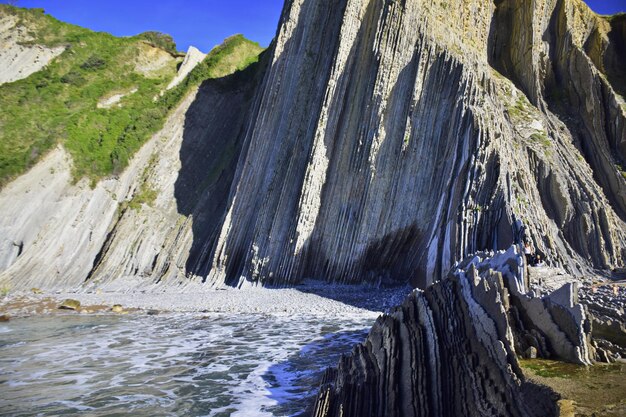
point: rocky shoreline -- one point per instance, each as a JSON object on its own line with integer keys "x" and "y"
{"x": 478, "y": 323}
{"x": 312, "y": 299}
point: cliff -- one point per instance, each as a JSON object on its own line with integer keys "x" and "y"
{"x": 393, "y": 140}
{"x": 379, "y": 141}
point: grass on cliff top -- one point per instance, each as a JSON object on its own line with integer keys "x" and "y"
{"x": 59, "y": 103}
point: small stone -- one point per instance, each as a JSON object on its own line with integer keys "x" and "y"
{"x": 152, "y": 312}
{"x": 531, "y": 353}
{"x": 4, "y": 318}
{"x": 117, "y": 308}
{"x": 36, "y": 291}
{"x": 70, "y": 304}
{"x": 566, "y": 408}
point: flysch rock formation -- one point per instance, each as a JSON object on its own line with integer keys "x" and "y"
{"x": 52, "y": 229}
{"x": 55, "y": 234}
{"x": 192, "y": 59}
{"x": 398, "y": 137}
{"x": 18, "y": 59}
{"x": 451, "y": 350}
{"x": 380, "y": 141}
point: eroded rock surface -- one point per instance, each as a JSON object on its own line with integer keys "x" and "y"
{"x": 394, "y": 140}
{"x": 380, "y": 141}
{"x": 19, "y": 58}
{"x": 452, "y": 349}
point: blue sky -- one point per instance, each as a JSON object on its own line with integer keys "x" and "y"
{"x": 202, "y": 23}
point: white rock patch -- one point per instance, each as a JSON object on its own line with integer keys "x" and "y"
{"x": 192, "y": 59}
{"x": 18, "y": 61}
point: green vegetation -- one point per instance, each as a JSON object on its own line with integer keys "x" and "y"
{"x": 596, "y": 390}
{"x": 160, "y": 40}
{"x": 552, "y": 369}
{"x": 5, "y": 290}
{"x": 235, "y": 54}
{"x": 521, "y": 108}
{"x": 145, "y": 194}
{"x": 542, "y": 138}
{"x": 612, "y": 17}
{"x": 622, "y": 170}
{"x": 59, "y": 103}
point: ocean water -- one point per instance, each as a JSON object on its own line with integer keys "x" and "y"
{"x": 169, "y": 365}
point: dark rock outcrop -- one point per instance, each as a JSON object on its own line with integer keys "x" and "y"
{"x": 451, "y": 350}
{"x": 606, "y": 305}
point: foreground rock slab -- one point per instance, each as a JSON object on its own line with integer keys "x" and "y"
{"x": 452, "y": 349}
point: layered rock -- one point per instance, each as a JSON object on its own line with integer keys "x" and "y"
{"x": 56, "y": 234}
{"x": 193, "y": 57}
{"x": 388, "y": 145}
{"x": 384, "y": 141}
{"x": 607, "y": 304}
{"x": 452, "y": 349}
{"x": 19, "y": 57}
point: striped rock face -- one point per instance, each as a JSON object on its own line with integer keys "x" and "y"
{"x": 392, "y": 138}
{"x": 377, "y": 141}
{"x": 452, "y": 349}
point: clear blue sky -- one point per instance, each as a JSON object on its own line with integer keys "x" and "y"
{"x": 202, "y": 23}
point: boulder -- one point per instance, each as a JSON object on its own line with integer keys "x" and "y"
{"x": 531, "y": 353}
{"x": 618, "y": 274}
{"x": 70, "y": 304}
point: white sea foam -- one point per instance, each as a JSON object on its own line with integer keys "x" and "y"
{"x": 175, "y": 364}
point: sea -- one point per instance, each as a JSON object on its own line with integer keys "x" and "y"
{"x": 172, "y": 364}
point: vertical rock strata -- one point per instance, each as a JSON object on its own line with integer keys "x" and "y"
{"x": 383, "y": 140}
{"x": 389, "y": 146}
{"x": 451, "y": 350}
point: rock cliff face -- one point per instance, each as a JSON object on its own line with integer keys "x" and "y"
{"x": 393, "y": 140}
{"x": 380, "y": 141}
{"x": 192, "y": 59}
{"x": 452, "y": 349}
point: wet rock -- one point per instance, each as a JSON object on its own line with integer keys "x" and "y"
{"x": 70, "y": 304}
{"x": 36, "y": 291}
{"x": 153, "y": 312}
{"x": 4, "y": 318}
{"x": 117, "y": 308}
{"x": 426, "y": 356}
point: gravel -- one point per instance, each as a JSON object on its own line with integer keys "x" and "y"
{"x": 313, "y": 298}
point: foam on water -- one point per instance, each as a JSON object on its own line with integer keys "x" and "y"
{"x": 184, "y": 364}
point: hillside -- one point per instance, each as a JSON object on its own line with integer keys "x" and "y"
{"x": 99, "y": 95}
